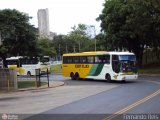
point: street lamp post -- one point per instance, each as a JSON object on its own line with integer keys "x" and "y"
{"x": 95, "y": 44}
{"x": 79, "y": 46}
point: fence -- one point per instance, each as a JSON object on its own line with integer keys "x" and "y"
{"x": 37, "y": 80}
{"x": 8, "y": 79}
{"x": 39, "y": 75}
{"x": 151, "y": 56}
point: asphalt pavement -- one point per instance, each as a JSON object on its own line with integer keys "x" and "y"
{"x": 77, "y": 99}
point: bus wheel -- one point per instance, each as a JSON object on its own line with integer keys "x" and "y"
{"x": 108, "y": 78}
{"x": 77, "y": 76}
{"x": 72, "y": 76}
{"x": 123, "y": 81}
{"x": 28, "y": 73}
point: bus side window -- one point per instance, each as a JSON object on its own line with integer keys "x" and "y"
{"x": 69, "y": 59}
{"x": 107, "y": 59}
{"x": 65, "y": 60}
{"x": 115, "y": 64}
{"x": 90, "y": 59}
{"x": 76, "y": 59}
{"x": 96, "y": 59}
{"x": 102, "y": 59}
{"x": 83, "y": 59}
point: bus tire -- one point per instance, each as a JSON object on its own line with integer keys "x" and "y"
{"x": 108, "y": 77}
{"x": 123, "y": 81}
{"x": 77, "y": 76}
{"x": 28, "y": 73}
{"x": 72, "y": 76}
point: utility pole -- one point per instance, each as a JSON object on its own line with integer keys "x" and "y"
{"x": 95, "y": 47}
{"x": 59, "y": 50}
{"x": 74, "y": 48}
{"x": 95, "y": 44}
{"x": 79, "y": 46}
{"x": 66, "y": 49}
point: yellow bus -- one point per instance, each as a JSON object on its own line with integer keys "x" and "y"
{"x": 101, "y": 65}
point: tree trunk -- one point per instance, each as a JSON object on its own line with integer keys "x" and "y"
{"x": 4, "y": 62}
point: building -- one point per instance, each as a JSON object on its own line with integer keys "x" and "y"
{"x": 43, "y": 23}
{"x": 52, "y": 34}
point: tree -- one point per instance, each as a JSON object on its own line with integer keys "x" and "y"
{"x": 60, "y": 44}
{"x": 79, "y": 37}
{"x": 78, "y": 40}
{"x": 101, "y": 42}
{"x": 17, "y": 35}
{"x": 131, "y": 24}
{"x": 45, "y": 47}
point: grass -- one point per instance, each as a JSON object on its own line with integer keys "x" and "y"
{"x": 149, "y": 71}
{"x": 56, "y": 69}
{"x": 26, "y": 84}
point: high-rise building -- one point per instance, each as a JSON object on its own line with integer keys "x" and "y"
{"x": 43, "y": 23}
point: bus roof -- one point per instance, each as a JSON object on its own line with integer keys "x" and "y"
{"x": 19, "y": 57}
{"x": 98, "y": 53}
{"x": 14, "y": 58}
{"x": 121, "y": 53}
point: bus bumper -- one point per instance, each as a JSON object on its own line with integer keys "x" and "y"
{"x": 125, "y": 77}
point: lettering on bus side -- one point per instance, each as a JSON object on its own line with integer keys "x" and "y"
{"x": 81, "y": 66}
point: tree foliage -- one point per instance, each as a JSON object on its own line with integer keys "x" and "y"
{"x": 131, "y": 24}
{"x": 45, "y": 47}
{"x": 78, "y": 40}
{"x": 100, "y": 41}
{"x": 18, "y": 36}
{"x": 59, "y": 43}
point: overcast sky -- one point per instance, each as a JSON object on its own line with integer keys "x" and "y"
{"x": 63, "y": 14}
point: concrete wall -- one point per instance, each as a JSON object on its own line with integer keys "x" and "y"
{"x": 8, "y": 79}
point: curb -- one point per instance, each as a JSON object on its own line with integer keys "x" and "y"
{"x": 56, "y": 73}
{"x": 42, "y": 87}
{"x": 149, "y": 75}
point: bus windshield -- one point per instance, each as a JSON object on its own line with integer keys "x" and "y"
{"x": 124, "y": 63}
{"x": 127, "y": 57}
{"x": 127, "y": 63}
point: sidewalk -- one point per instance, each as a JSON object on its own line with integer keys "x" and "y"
{"x": 52, "y": 84}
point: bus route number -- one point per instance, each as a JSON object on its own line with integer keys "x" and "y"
{"x": 81, "y": 66}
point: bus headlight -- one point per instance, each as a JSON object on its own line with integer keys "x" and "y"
{"x": 123, "y": 78}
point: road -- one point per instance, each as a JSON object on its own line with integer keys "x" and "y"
{"x": 95, "y": 100}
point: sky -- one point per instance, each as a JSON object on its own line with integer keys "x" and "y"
{"x": 63, "y": 14}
